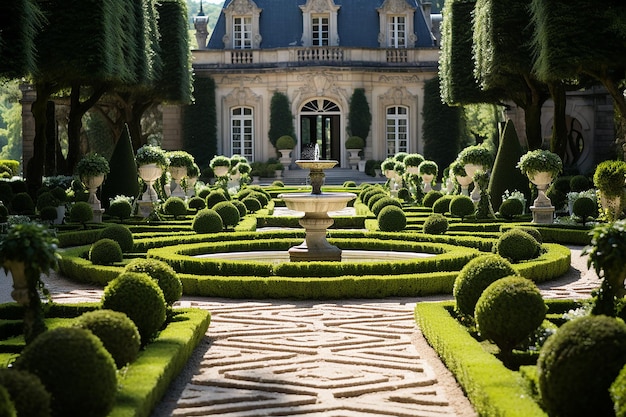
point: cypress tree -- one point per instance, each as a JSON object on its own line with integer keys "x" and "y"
{"x": 281, "y": 118}
{"x": 122, "y": 179}
{"x": 200, "y": 122}
{"x": 359, "y": 116}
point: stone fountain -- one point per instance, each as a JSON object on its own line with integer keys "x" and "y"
{"x": 316, "y": 220}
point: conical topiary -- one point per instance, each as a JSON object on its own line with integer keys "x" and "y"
{"x": 505, "y": 175}
{"x": 122, "y": 179}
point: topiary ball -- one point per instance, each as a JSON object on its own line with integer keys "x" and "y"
{"x": 196, "y": 203}
{"x": 243, "y": 211}
{"x": 162, "y": 273}
{"x": 252, "y": 204}
{"x": 391, "y": 219}
{"x": 277, "y": 183}
{"x": 349, "y": 184}
{"x": 214, "y": 197}
{"x": 262, "y": 197}
{"x": 516, "y": 245}
{"x": 579, "y": 183}
{"x": 122, "y": 209}
{"x": 405, "y": 194}
{"x": 442, "y": 205}
{"x": 462, "y": 206}
{"x": 140, "y": 298}
{"x": 27, "y": 393}
{"x": 116, "y": 330}
{"x": 121, "y": 234}
{"x": 435, "y": 224}
{"x": 22, "y": 203}
{"x": 430, "y": 198}
{"x": 48, "y": 213}
{"x": 533, "y": 231}
{"x": 175, "y": 206}
{"x": 46, "y": 199}
{"x": 81, "y": 212}
{"x": 75, "y": 368}
{"x": 105, "y": 252}
{"x": 367, "y": 194}
{"x": 509, "y": 311}
{"x": 228, "y": 212}
{"x": 510, "y": 208}
{"x": 385, "y": 202}
{"x": 373, "y": 199}
{"x": 207, "y": 221}
{"x": 578, "y": 364}
{"x": 585, "y": 207}
{"x": 474, "y": 277}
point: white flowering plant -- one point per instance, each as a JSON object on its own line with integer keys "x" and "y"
{"x": 540, "y": 160}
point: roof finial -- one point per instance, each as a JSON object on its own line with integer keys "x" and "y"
{"x": 201, "y": 11}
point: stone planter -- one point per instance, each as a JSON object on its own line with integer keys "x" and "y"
{"x": 412, "y": 170}
{"x": 285, "y": 157}
{"x": 542, "y": 208}
{"x": 471, "y": 169}
{"x": 149, "y": 173}
{"x": 20, "y": 281}
{"x": 92, "y": 183}
{"x": 220, "y": 171}
{"x": 464, "y": 182}
{"x": 177, "y": 173}
{"x": 427, "y": 180}
{"x": 354, "y": 158}
{"x": 612, "y": 205}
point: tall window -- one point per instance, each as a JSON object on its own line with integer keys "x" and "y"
{"x": 319, "y": 29}
{"x": 397, "y": 31}
{"x": 397, "y": 132}
{"x": 242, "y": 132}
{"x": 242, "y": 32}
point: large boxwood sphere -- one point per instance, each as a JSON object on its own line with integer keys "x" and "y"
{"x": 578, "y": 364}
{"x": 510, "y": 208}
{"x": 509, "y": 310}
{"x": 140, "y": 298}
{"x": 105, "y": 252}
{"x": 196, "y": 203}
{"x": 121, "y": 208}
{"x": 430, "y": 198}
{"x": 27, "y": 393}
{"x": 81, "y": 212}
{"x": 435, "y": 224}
{"x": 121, "y": 234}
{"x": 517, "y": 245}
{"x": 252, "y": 204}
{"x": 116, "y": 331}
{"x": 162, "y": 273}
{"x": 384, "y": 202}
{"x": 75, "y": 368}
{"x": 175, "y": 206}
{"x": 374, "y": 198}
{"x": 391, "y": 219}
{"x": 228, "y": 212}
{"x": 475, "y": 276}
{"x": 462, "y": 206}
{"x": 241, "y": 207}
{"x": 215, "y": 197}
{"x": 442, "y": 205}
{"x": 207, "y": 221}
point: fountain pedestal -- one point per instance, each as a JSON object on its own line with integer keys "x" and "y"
{"x": 316, "y": 206}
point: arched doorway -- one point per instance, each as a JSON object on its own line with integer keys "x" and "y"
{"x": 320, "y": 124}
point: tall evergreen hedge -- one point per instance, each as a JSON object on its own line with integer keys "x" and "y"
{"x": 281, "y": 118}
{"x": 122, "y": 178}
{"x": 18, "y": 20}
{"x": 359, "y": 116}
{"x": 200, "y": 122}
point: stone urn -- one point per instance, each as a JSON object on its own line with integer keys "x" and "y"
{"x": 285, "y": 157}
{"x": 427, "y": 181}
{"x": 190, "y": 186}
{"x": 464, "y": 182}
{"x": 177, "y": 173}
{"x": 92, "y": 183}
{"x": 220, "y": 171}
{"x": 412, "y": 170}
{"x": 471, "y": 169}
{"x": 20, "y": 281}
{"x": 542, "y": 208}
{"x": 353, "y": 158}
{"x": 149, "y": 173}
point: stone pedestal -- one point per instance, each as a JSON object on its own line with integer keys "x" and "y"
{"x": 315, "y": 246}
{"x": 145, "y": 208}
{"x": 542, "y": 215}
{"x": 97, "y": 213}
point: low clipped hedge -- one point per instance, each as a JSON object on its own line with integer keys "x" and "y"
{"x": 492, "y": 389}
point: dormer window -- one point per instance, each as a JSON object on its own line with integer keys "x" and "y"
{"x": 396, "y": 25}
{"x": 242, "y": 25}
{"x": 319, "y": 23}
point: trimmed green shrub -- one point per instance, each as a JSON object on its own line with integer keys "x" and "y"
{"x": 252, "y": 204}
{"x": 618, "y": 394}
{"x": 116, "y": 331}
{"x": 578, "y": 364}
{"x": 579, "y": 183}
{"x": 405, "y": 194}
{"x": 28, "y": 394}
{"x": 462, "y": 206}
{"x": 81, "y": 212}
{"x": 373, "y": 199}
{"x": 510, "y": 208}
{"x": 105, "y": 252}
{"x": 385, "y": 202}
{"x": 241, "y": 207}
{"x": 120, "y": 208}
{"x": 140, "y": 298}
{"x": 435, "y": 224}
{"x": 175, "y": 206}
{"x": 7, "y": 408}
{"x": 196, "y": 203}
{"x": 207, "y": 221}
{"x": 474, "y": 277}
{"x": 46, "y": 199}
{"x": 48, "y": 213}
{"x": 367, "y": 194}
{"x": 534, "y": 232}
{"x": 75, "y": 368}
{"x": 59, "y": 194}
{"x": 585, "y": 207}
{"x": 121, "y": 234}
{"x": 509, "y": 311}
{"x": 391, "y": 219}
{"x": 214, "y": 197}
{"x": 22, "y": 203}
{"x": 162, "y": 273}
{"x": 228, "y": 212}
{"x": 430, "y": 198}
{"x": 262, "y": 197}
{"x": 349, "y": 184}
{"x": 442, "y": 205}
{"x": 516, "y": 245}
{"x": 278, "y": 183}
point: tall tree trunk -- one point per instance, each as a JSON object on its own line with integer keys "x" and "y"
{"x": 532, "y": 113}
{"x": 558, "y": 141}
{"x": 619, "y": 103}
{"x": 35, "y": 166}
{"x": 75, "y": 120}
{"x": 138, "y": 108}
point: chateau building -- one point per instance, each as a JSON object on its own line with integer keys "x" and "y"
{"x": 316, "y": 52}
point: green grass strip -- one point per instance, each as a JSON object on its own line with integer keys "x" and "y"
{"x": 493, "y": 389}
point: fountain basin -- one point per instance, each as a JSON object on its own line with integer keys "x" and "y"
{"x": 316, "y": 203}
{"x": 316, "y": 164}
{"x": 356, "y": 256}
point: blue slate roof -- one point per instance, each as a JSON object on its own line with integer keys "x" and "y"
{"x": 357, "y": 20}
